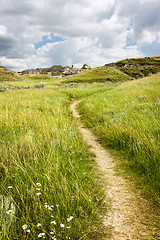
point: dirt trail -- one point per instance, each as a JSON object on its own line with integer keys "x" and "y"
{"x": 125, "y": 214}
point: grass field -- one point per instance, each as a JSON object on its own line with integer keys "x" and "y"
{"x": 48, "y": 181}
{"x": 127, "y": 119}
{"x": 29, "y": 81}
{"x": 48, "y": 184}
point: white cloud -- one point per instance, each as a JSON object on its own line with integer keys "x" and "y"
{"x": 3, "y": 30}
{"x": 17, "y": 64}
{"x": 95, "y": 31}
{"x": 147, "y": 37}
{"x": 148, "y": 1}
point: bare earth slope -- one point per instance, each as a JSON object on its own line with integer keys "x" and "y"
{"x": 129, "y": 216}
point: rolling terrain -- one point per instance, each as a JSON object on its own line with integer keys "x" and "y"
{"x": 50, "y": 181}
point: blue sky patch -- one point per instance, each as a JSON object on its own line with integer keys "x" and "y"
{"x": 151, "y": 49}
{"x": 130, "y": 42}
{"x": 48, "y": 39}
{"x": 130, "y": 24}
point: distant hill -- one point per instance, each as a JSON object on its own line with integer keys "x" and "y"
{"x": 138, "y": 67}
{"x": 127, "y": 69}
{"x": 56, "y": 70}
{"x": 124, "y": 70}
{"x": 7, "y": 75}
{"x": 99, "y": 74}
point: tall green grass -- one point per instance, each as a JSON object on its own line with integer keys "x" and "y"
{"x": 81, "y": 90}
{"x": 127, "y": 118}
{"x": 47, "y": 181}
{"x": 27, "y": 80}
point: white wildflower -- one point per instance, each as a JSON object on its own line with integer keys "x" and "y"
{"x": 38, "y": 185}
{"x": 38, "y": 189}
{"x": 38, "y": 194}
{"x": 62, "y": 225}
{"x": 9, "y": 187}
{"x": 72, "y": 198}
{"x": 46, "y": 206}
{"x": 10, "y": 212}
{"x": 41, "y": 235}
{"x": 39, "y": 224}
{"x": 28, "y": 231}
{"x": 52, "y": 233}
{"x": 53, "y": 222}
{"x": 49, "y": 208}
{"x": 24, "y": 226}
{"x": 70, "y": 218}
{"x": 68, "y": 227}
{"x": 52, "y": 216}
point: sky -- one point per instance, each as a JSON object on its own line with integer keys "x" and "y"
{"x": 43, "y": 33}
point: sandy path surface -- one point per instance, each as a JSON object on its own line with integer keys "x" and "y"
{"x": 126, "y": 216}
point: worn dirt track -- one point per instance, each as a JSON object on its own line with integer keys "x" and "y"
{"x": 127, "y": 216}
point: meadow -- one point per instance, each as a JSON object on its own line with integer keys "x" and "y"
{"x": 47, "y": 180}
{"x": 127, "y": 120}
{"x": 48, "y": 177}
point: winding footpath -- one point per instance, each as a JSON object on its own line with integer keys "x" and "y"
{"x": 126, "y": 217}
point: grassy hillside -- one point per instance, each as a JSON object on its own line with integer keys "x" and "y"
{"x": 120, "y": 71}
{"x": 127, "y": 119}
{"x": 99, "y": 74}
{"x": 139, "y": 67}
{"x": 7, "y": 75}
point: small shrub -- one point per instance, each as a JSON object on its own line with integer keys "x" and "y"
{"x": 39, "y": 85}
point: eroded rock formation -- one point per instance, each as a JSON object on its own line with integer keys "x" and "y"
{"x": 57, "y": 70}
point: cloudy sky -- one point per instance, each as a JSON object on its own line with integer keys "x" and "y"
{"x": 42, "y": 33}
